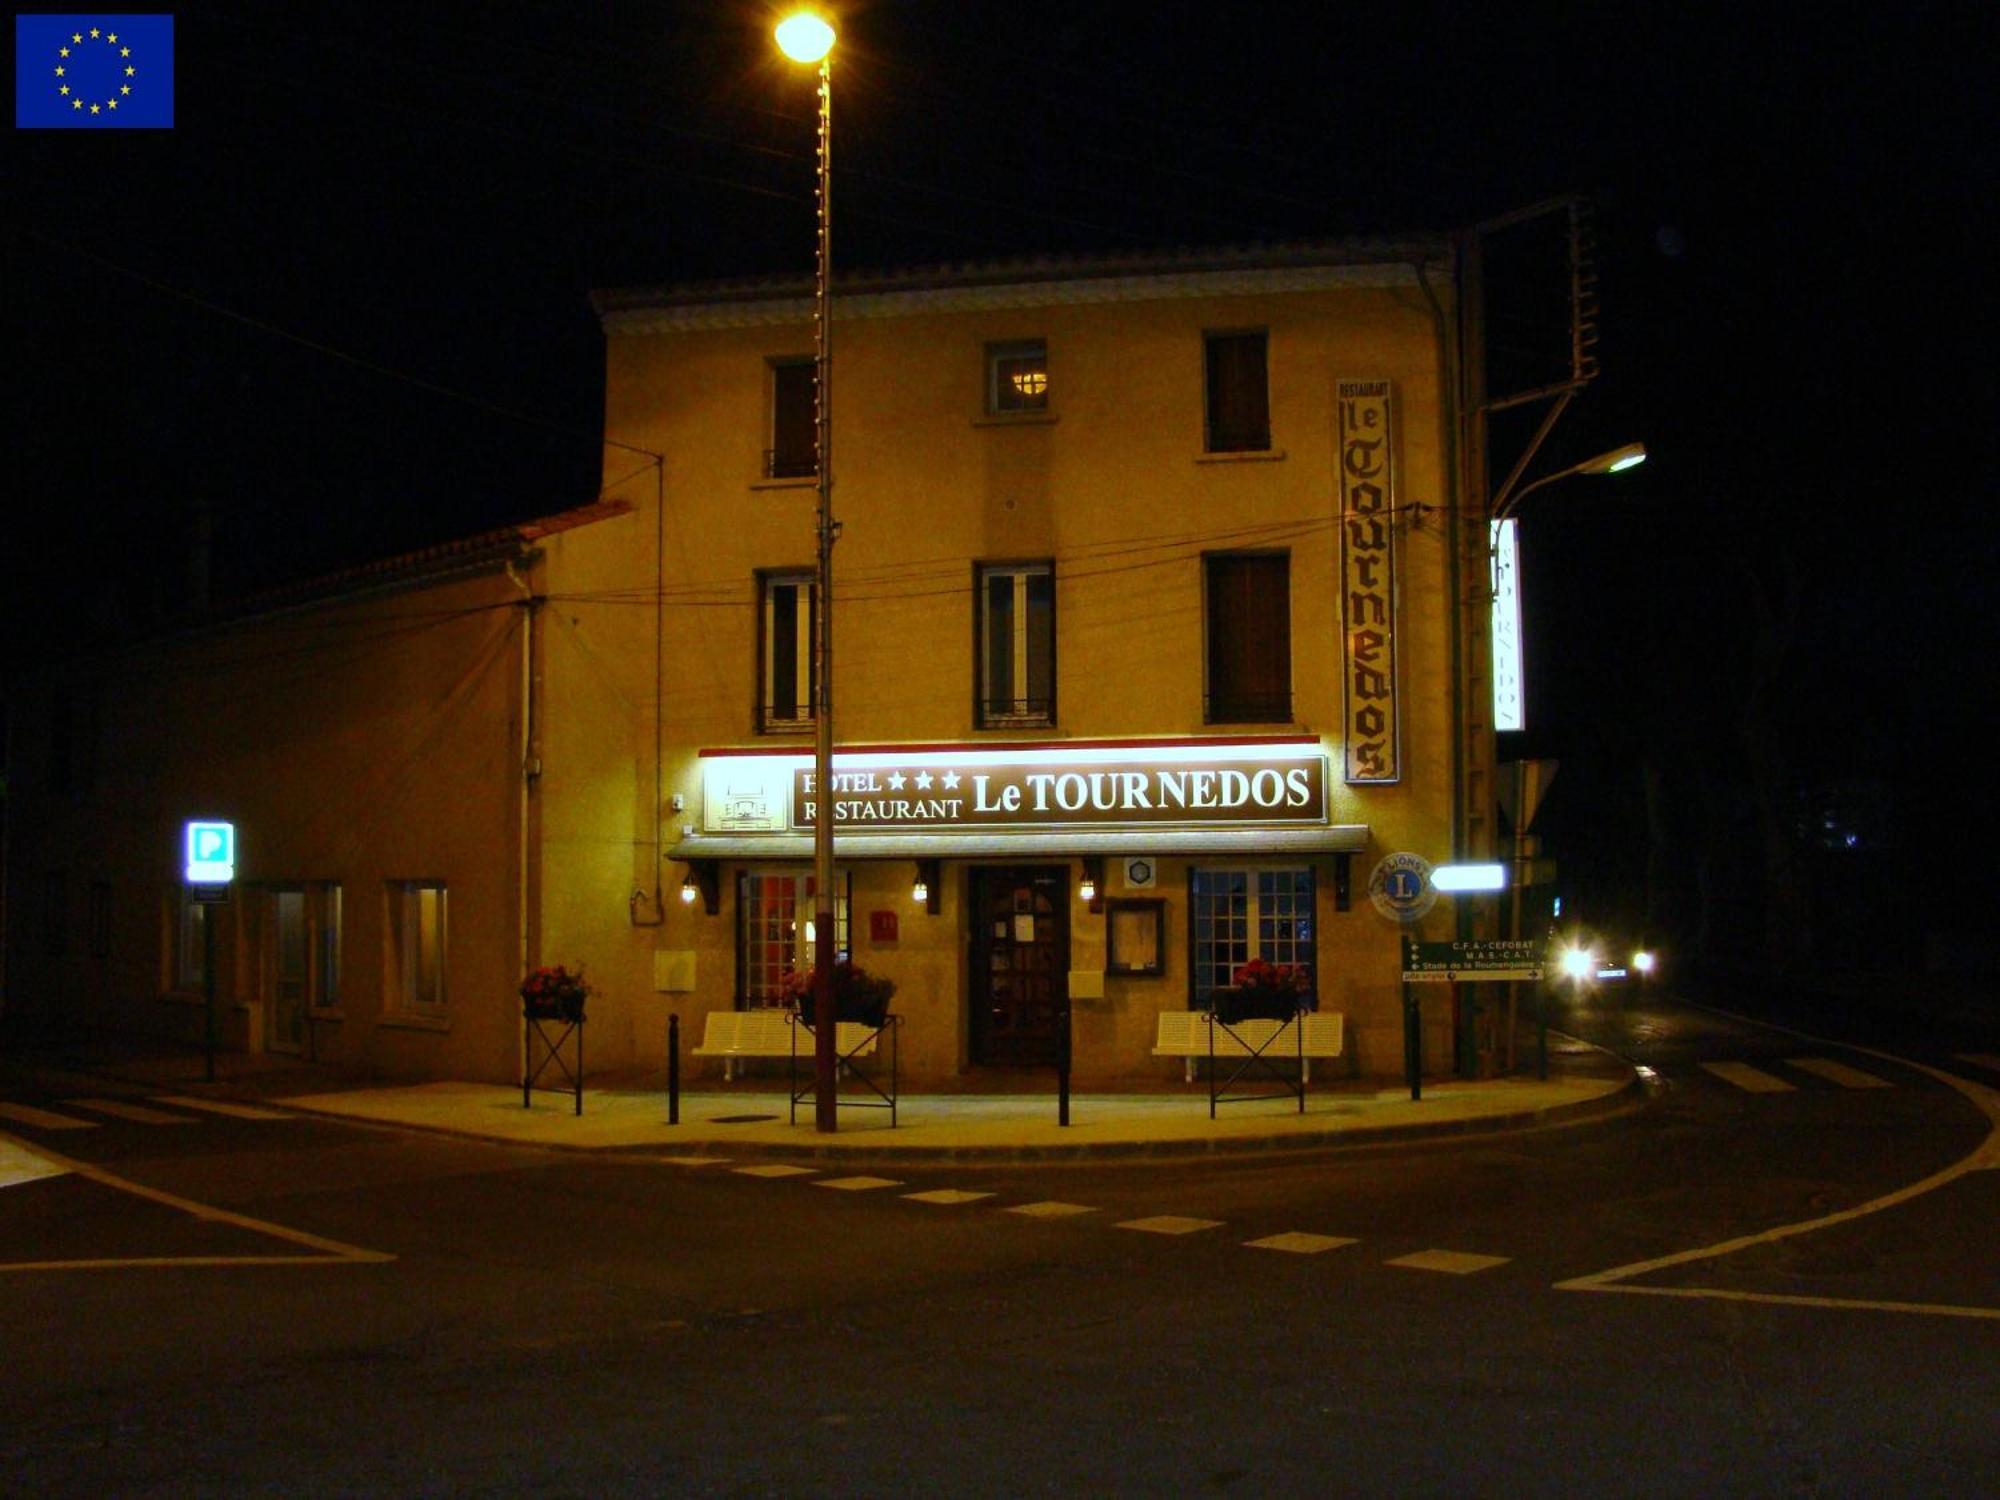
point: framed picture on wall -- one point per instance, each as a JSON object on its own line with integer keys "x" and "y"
{"x": 1135, "y": 937}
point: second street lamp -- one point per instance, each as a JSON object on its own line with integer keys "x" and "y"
{"x": 807, "y": 38}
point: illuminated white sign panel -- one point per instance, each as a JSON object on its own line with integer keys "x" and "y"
{"x": 1509, "y": 674}
{"x": 211, "y": 853}
{"x": 1024, "y": 790}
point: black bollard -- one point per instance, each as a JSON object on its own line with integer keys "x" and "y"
{"x": 1062, "y": 1068}
{"x": 673, "y": 1070}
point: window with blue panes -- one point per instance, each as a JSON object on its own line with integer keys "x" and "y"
{"x": 1237, "y": 915}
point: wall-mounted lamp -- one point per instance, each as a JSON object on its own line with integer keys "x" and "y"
{"x": 920, "y": 892}
{"x": 927, "y": 888}
{"x": 1091, "y": 889}
{"x": 705, "y": 881}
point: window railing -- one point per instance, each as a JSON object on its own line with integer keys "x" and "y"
{"x": 776, "y": 720}
{"x": 1236, "y": 707}
{"x": 781, "y": 464}
{"x": 997, "y": 712}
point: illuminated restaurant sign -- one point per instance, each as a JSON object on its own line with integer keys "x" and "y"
{"x": 1368, "y": 578}
{"x": 1025, "y": 791}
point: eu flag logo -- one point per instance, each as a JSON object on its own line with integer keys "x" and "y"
{"x": 94, "y": 72}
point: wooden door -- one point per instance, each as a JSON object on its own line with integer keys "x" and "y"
{"x": 1020, "y": 963}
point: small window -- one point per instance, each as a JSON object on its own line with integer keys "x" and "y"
{"x": 1017, "y": 377}
{"x": 785, "y": 651}
{"x": 1237, "y": 915}
{"x": 1237, "y": 391}
{"x": 1015, "y": 636}
{"x": 1248, "y": 611}
{"x": 774, "y": 931}
{"x": 417, "y": 943}
{"x": 794, "y": 420}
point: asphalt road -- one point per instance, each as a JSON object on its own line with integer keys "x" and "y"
{"x": 216, "y": 1304}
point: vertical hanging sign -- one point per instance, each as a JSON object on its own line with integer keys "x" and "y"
{"x": 1368, "y": 579}
{"x": 1509, "y": 691}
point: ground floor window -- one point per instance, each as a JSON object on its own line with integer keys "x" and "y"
{"x": 417, "y": 944}
{"x": 775, "y": 932}
{"x": 1238, "y": 915}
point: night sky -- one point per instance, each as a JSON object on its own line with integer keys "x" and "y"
{"x": 343, "y": 302}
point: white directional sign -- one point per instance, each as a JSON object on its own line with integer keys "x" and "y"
{"x": 211, "y": 853}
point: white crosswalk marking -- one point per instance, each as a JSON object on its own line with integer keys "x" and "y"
{"x": 1170, "y": 1224}
{"x": 223, "y": 1107}
{"x": 1752, "y": 1080}
{"x": 775, "y": 1171}
{"x": 43, "y": 1119}
{"x": 18, "y": 1164}
{"x": 856, "y": 1184}
{"x": 1298, "y": 1242}
{"x": 1838, "y": 1072}
{"x": 120, "y": 1109}
{"x": 946, "y": 1196}
{"x": 1049, "y": 1210}
{"x": 1451, "y": 1262}
{"x": 694, "y": 1161}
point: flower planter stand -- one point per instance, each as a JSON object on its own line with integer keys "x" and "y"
{"x": 1267, "y": 1031}
{"x": 851, "y": 1039}
{"x": 547, "y": 1034}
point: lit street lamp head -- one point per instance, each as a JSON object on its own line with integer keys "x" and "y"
{"x": 804, "y": 37}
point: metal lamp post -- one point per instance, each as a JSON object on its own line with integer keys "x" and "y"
{"x": 807, "y": 38}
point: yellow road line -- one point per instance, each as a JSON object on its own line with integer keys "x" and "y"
{"x": 334, "y": 1252}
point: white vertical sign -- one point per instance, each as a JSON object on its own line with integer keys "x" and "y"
{"x": 1509, "y": 674}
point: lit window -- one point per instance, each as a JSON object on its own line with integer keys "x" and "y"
{"x": 1237, "y": 392}
{"x": 785, "y": 651}
{"x": 1017, "y": 376}
{"x": 1016, "y": 640}
{"x": 1239, "y": 915}
{"x": 1248, "y": 618}
{"x": 794, "y": 420}
{"x": 774, "y": 916}
{"x": 417, "y": 943}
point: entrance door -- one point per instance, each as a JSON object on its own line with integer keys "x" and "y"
{"x": 288, "y": 971}
{"x": 1020, "y": 963}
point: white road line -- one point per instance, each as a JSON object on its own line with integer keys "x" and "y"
{"x": 1170, "y": 1224}
{"x": 1983, "y": 1157}
{"x": 775, "y": 1170}
{"x": 18, "y": 1164}
{"x": 1752, "y": 1080}
{"x": 43, "y": 1119}
{"x": 120, "y": 1109}
{"x": 222, "y": 1107}
{"x": 856, "y": 1184}
{"x": 1838, "y": 1072}
{"x": 946, "y": 1196}
{"x": 1451, "y": 1262}
{"x": 1298, "y": 1242}
{"x": 694, "y": 1161}
{"x": 1049, "y": 1210}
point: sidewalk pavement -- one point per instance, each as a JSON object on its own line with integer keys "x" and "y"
{"x": 754, "y": 1118}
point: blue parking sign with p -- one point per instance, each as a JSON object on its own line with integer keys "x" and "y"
{"x": 211, "y": 853}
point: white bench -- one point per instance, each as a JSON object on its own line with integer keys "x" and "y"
{"x": 1184, "y": 1033}
{"x": 767, "y": 1032}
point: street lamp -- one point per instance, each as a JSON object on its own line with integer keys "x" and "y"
{"x": 1617, "y": 461}
{"x": 807, "y": 38}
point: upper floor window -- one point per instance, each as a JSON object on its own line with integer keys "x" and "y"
{"x": 785, "y": 651}
{"x": 794, "y": 421}
{"x": 1017, "y": 377}
{"x": 1247, "y": 607}
{"x": 1237, "y": 392}
{"x": 1015, "y": 637}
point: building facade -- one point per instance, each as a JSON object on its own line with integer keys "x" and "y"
{"x": 1143, "y": 667}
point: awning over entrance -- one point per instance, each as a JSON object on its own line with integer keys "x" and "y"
{"x": 1342, "y": 838}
